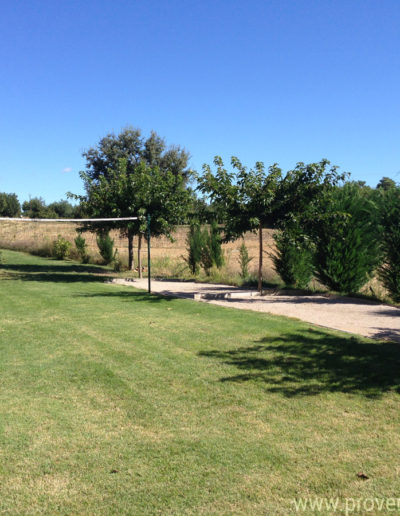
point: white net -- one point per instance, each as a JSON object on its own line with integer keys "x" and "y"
{"x": 116, "y": 219}
{"x": 88, "y": 221}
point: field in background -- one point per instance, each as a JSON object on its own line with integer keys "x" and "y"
{"x": 117, "y": 402}
{"x": 168, "y": 258}
{"x": 26, "y": 236}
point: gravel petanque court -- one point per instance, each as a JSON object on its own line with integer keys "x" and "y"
{"x": 362, "y": 317}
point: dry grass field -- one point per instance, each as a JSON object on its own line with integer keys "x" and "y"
{"x": 32, "y": 235}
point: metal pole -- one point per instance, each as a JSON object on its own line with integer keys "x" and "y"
{"x": 148, "y": 253}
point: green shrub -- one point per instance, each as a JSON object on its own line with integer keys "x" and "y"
{"x": 106, "y": 247}
{"x": 206, "y": 259}
{"x": 389, "y": 272}
{"x": 293, "y": 259}
{"x": 204, "y": 248}
{"x": 215, "y": 246}
{"x": 195, "y": 247}
{"x": 61, "y": 248}
{"x": 81, "y": 246}
{"x": 244, "y": 261}
{"x": 346, "y": 240}
{"x": 117, "y": 262}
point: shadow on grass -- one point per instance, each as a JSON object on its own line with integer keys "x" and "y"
{"x": 61, "y": 273}
{"x": 53, "y": 272}
{"x": 313, "y": 362}
{"x": 130, "y": 296}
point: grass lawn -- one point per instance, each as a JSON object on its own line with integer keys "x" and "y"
{"x": 117, "y": 402}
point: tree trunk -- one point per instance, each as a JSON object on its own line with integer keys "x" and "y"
{"x": 139, "y": 255}
{"x": 260, "y": 258}
{"x": 131, "y": 263}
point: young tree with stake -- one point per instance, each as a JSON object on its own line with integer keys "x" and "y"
{"x": 244, "y": 199}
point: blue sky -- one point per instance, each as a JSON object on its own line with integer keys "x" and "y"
{"x": 274, "y": 81}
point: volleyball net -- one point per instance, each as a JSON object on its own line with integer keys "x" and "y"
{"x": 94, "y": 221}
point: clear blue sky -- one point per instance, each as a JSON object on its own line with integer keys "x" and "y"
{"x": 270, "y": 80}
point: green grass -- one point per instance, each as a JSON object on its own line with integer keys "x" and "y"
{"x": 117, "y": 402}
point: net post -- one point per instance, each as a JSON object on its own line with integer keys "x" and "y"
{"x": 148, "y": 253}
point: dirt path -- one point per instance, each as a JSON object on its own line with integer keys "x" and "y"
{"x": 365, "y": 318}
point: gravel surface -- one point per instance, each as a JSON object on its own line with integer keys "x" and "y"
{"x": 366, "y": 318}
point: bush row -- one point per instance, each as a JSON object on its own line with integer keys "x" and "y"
{"x": 355, "y": 235}
{"x": 62, "y": 248}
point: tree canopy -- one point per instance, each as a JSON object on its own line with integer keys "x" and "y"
{"x": 253, "y": 199}
{"x": 304, "y": 192}
{"x": 9, "y": 205}
{"x": 244, "y": 198}
{"x": 386, "y": 183}
{"x": 128, "y": 176}
{"x": 65, "y": 210}
{"x": 36, "y": 208}
{"x": 130, "y": 145}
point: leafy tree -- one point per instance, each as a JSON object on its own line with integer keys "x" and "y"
{"x": 127, "y": 176}
{"x": 365, "y": 189}
{"x": 389, "y": 271}
{"x": 303, "y": 193}
{"x": 147, "y": 190}
{"x": 361, "y": 184}
{"x": 201, "y": 211}
{"x": 36, "y": 208}
{"x": 301, "y": 198}
{"x": 131, "y": 146}
{"x": 65, "y": 210}
{"x": 243, "y": 199}
{"x": 9, "y": 205}
{"x": 3, "y": 205}
{"x": 386, "y": 183}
